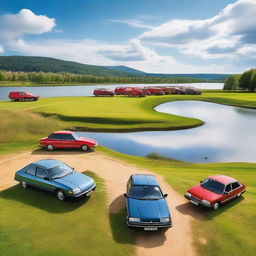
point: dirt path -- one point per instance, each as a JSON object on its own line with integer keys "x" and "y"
{"x": 176, "y": 241}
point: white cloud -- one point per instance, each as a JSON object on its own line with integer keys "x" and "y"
{"x": 25, "y": 22}
{"x": 133, "y": 23}
{"x": 132, "y": 54}
{"x": 224, "y": 35}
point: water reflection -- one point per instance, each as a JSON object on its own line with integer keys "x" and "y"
{"x": 75, "y": 90}
{"x": 227, "y": 136}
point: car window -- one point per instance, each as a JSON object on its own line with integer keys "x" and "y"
{"x": 235, "y": 185}
{"x": 61, "y": 136}
{"x": 145, "y": 192}
{"x": 228, "y": 188}
{"x": 31, "y": 170}
{"x": 60, "y": 171}
{"x": 41, "y": 173}
{"x": 213, "y": 185}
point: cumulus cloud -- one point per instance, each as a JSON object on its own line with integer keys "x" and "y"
{"x": 1, "y": 49}
{"x": 25, "y": 22}
{"x": 132, "y": 54}
{"x": 225, "y": 35}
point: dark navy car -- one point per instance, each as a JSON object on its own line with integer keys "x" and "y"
{"x": 146, "y": 204}
{"x": 57, "y": 177}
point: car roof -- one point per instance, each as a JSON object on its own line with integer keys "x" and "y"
{"x": 223, "y": 179}
{"x": 144, "y": 179}
{"x": 48, "y": 163}
{"x": 63, "y": 132}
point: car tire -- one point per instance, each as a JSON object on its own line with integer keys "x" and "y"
{"x": 24, "y": 184}
{"x": 84, "y": 147}
{"x": 216, "y": 206}
{"x": 61, "y": 195}
{"x": 50, "y": 147}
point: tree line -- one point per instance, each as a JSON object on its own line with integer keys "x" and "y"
{"x": 61, "y": 78}
{"x": 245, "y": 81}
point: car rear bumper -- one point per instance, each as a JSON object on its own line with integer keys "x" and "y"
{"x": 86, "y": 192}
{"x": 196, "y": 201}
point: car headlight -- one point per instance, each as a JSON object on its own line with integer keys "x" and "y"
{"x": 206, "y": 202}
{"x": 76, "y": 190}
{"x": 131, "y": 219}
{"x": 188, "y": 194}
{"x": 165, "y": 219}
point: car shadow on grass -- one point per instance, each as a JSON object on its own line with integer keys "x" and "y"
{"x": 33, "y": 197}
{"x": 201, "y": 212}
{"x": 42, "y": 151}
{"x": 127, "y": 235}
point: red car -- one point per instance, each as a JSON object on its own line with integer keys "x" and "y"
{"x": 214, "y": 191}
{"x": 120, "y": 90}
{"x": 135, "y": 92}
{"x": 154, "y": 90}
{"x": 67, "y": 139}
{"x": 23, "y": 96}
{"x": 103, "y": 92}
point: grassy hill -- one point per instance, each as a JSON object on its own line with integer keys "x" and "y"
{"x": 44, "y": 64}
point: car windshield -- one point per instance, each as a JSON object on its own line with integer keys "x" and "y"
{"x": 213, "y": 185}
{"x": 76, "y": 137}
{"x": 59, "y": 171}
{"x": 146, "y": 192}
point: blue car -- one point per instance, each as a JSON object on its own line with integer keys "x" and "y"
{"x": 57, "y": 177}
{"x": 146, "y": 204}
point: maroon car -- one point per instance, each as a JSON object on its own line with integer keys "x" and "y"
{"x": 215, "y": 191}
{"x": 154, "y": 90}
{"x": 103, "y": 92}
{"x": 121, "y": 90}
{"x": 67, "y": 139}
{"x": 23, "y": 96}
{"x": 135, "y": 92}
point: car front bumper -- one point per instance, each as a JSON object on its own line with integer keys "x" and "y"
{"x": 86, "y": 192}
{"x": 149, "y": 224}
{"x": 196, "y": 201}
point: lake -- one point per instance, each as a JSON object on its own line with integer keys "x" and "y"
{"x": 228, "y": 135}
{"x": 87, "y": 90}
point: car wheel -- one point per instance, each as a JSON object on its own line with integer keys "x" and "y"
{"x": 50, "y": 147}
{"x": 61, "y": 196}
{"x": 216, "y": 206}
{"x": 84, "y": 147}
{"x": 24, "y": 184}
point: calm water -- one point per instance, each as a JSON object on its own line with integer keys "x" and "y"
{"x": 75, "y": 90}
{"x": 229, "y": 135}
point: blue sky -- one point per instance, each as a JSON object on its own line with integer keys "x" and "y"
{"x": 159, "y": 36}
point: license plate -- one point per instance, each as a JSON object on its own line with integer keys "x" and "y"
{"x": 151, "y": 229}
{"x": 193, "y": 202}
{"x": 89, "y": 193}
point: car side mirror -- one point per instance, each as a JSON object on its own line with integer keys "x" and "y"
{"x": 125, "y": 195}
{"x": 165, "y": 195}
{"x": 73, "y": 168}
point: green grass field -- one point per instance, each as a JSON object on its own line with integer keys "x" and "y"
{"x": 231, "y": 229}
{"x": 33, "y": 222}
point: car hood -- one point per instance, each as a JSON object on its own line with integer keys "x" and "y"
{"x": 201, "y": 193}
{"x": 76, "y": 180}
{"x": 87, "y": 140}
{"x": 148, "y": 209}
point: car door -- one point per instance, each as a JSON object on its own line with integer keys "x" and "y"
{"x": 69, "y": 141}
{"x": 42, "y": 179}
{"x": 228, "y": 194}
{"x": 236, "y": 188}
